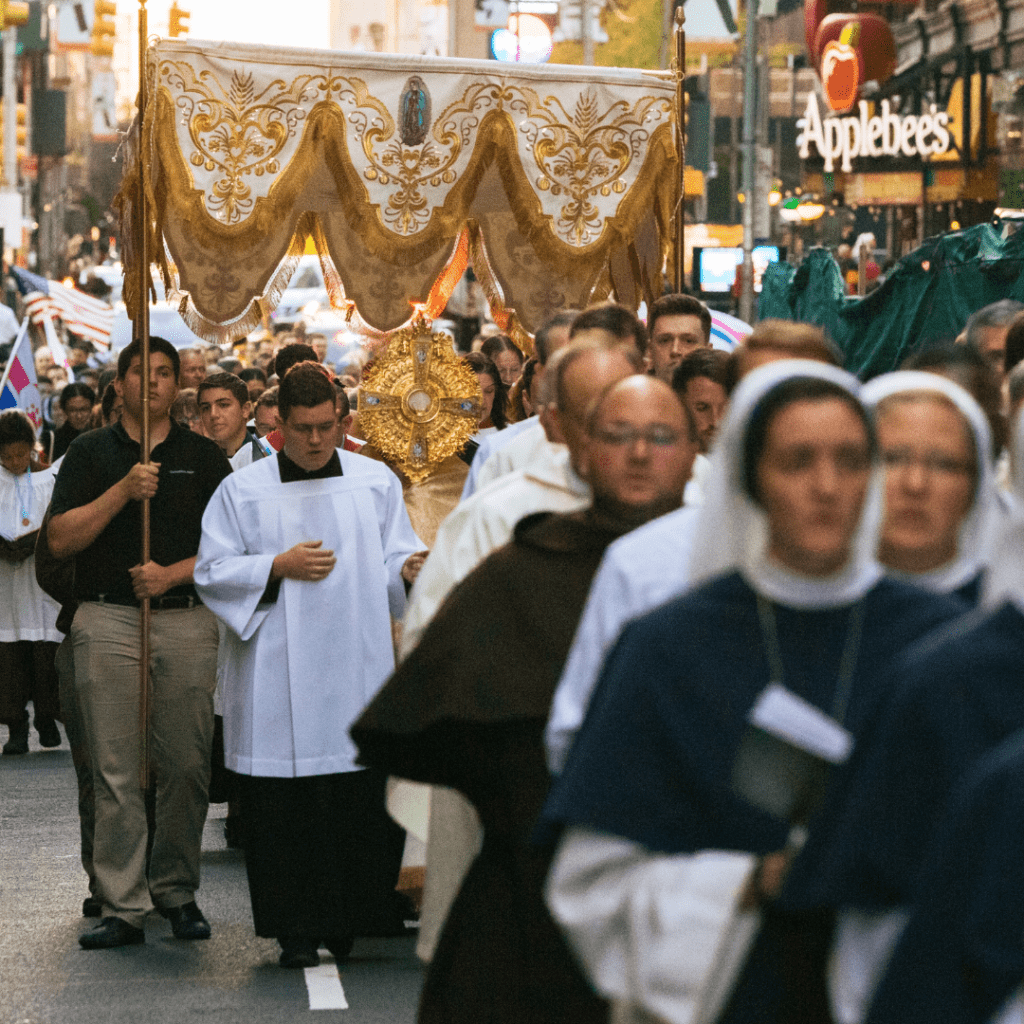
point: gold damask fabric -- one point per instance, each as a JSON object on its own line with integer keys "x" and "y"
{"x": 553, "y": 180}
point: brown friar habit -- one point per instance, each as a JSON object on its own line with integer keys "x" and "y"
{"x": 467, "y": 709}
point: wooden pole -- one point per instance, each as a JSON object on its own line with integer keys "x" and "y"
{"x": 680, "y": 64}
{"x": 142, "y": 327}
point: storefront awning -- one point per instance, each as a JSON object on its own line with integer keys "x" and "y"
{"x": 557, "y": 182}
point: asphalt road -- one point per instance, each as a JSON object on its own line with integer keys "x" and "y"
{"x": 46, "y": 978}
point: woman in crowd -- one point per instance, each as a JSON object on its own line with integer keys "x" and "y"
{"x": 75, "y": 402}
{"x": 936, "y": 448}
{"x": 505, "y": 354}
{"x": 520, "y": 398}
{"x": 28, "y": 618}
{"x": 953, "y": 699}
{"x": 493, "y": 410}
{"x": 675, "y": 756}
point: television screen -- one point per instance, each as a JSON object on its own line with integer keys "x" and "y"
{"x": 716, "y": 267}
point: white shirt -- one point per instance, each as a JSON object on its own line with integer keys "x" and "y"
{"x": 519, "y": 452}
{"x": 300, "y": 670}
{"x": 488, "y": 445}
{"x": 485, "y": 522}
{"x": 244, "y": 456}
{"x": 639, "y": 572}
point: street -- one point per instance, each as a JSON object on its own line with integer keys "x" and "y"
{"x": 45, "y": 978}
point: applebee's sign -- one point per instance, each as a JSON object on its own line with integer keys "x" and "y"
{"x": 844, "y": 139}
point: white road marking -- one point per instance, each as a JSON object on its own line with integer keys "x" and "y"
{"x": 324, "y": 987}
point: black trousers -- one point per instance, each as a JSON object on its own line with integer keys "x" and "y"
{"x": 27, "y": 673}
{"x": 322, "y": 856}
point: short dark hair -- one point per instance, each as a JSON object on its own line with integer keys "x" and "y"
{"x": 227, "y": 382}
{"x": 110, "y": 396}
{"x": 124, "y": 360}
{"x": 344, "y": 405}
{"x": 290, "y": 354}
{"x": 995, "y": 314}
{"x": 306, "y": 386}
{"x": 966, "y": 366}
{"x": 677, "y": 304}
{"x": 252, "y": 373}
{"x": 705, "y": 362}
{"x": 76, "y": 390}
{"x": 616, "y": 320}
{"x": 541, "y": 340}
{"x": 479, "y": 363}
{"x": 16, "y": 428}
{"x": 1015, "y": 385}
{"x": 268, "y": 398}
{"x": 1014, "y": 343}
{"x": 784, "y": 394}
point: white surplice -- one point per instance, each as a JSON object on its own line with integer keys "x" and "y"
{"x": 26, "y": 613}
{"x": 301, "y": 669}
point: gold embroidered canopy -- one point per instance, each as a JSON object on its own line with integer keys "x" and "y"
{"x": 556, "y": 182}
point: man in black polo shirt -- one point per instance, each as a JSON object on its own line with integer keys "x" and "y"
{"x": 96, "y": 516}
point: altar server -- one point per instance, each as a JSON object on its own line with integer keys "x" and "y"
{"x": 28, "y": 617}
{"x": 305, "y": 557}
{"x": 791, "y": 621}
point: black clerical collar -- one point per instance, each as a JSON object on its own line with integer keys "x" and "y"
{"x": 290, "y": 472}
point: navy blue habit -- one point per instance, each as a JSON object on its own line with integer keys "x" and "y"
{"x": 957, "y": 695}
{"x": 962, "y": 954}
{"x": 653, "y": 762}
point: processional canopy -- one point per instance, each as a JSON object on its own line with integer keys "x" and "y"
{"x": 556, "y": 182}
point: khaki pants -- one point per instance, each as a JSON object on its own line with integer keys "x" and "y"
{"x": 183, "y": 671}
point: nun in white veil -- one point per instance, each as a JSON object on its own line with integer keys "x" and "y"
{"x": 954, "y": 701}
{"x": 723, "y": 719}
{"x": 940, "y": 494}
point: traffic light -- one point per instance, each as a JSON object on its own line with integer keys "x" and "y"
{"x": 103, "y": 28}
{"x": 20, "y": 131}
{"x": 179, "y": 22}
{"x": 12, "y": 13}
{"x": 697, "y": 123}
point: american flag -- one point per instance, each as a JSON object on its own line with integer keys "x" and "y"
{"x": 84, "y": 315}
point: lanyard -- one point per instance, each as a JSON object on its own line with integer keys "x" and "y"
{"x": 847, "y": 663}
{"x": 25, "y": 504}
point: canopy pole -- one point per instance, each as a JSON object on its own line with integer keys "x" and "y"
{"x": 678, "y": 271}
{"x": 142, "y": 326}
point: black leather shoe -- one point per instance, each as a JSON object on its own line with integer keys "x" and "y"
{"x": 299, "y": 952}
{"x": 92, "y": 906}
{"x": 17, "y": 741}
{"x": 187, "y": 922}
{"x": 110, "y": 933}
{"x": 339, "y": 946}
{"x": 49, "y": 734}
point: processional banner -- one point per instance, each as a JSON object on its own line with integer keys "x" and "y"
{"x": 558, "y": 183}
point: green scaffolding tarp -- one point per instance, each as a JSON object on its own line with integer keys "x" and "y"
{"x": 925, "y": 299}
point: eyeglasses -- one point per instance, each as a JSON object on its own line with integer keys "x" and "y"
{"x": 933, "y": 463}
{"x": 657, "y": 437}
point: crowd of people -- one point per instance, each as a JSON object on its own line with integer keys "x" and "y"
{"x": 698, "y": 670}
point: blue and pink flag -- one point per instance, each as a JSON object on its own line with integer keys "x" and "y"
{"x": 19, "y": 388}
